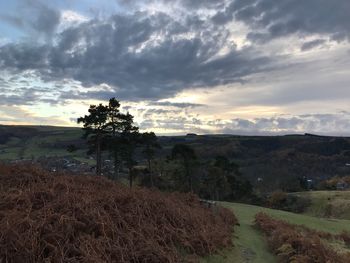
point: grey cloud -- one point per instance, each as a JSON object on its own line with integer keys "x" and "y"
{"x": 151, "y": 112}
{"x": 140, "y": 56}
{"x": 281, "y": 18}
{"x": 192, "y": 4}
{"x": 16, "y": 90}
{"x": 12, "y": 20}
{"x": 172, "y": 122}
{"x": 47, "y": 19}
{"x": 208, "y": 4}
{"x": 25, "y": 96}
{"x": 36, "y": 15}
{"x": 336, "y": 124}
{"x": 311, "y": 123}
{"x": 312, "y": 44}
{"x": 176, "y": 104}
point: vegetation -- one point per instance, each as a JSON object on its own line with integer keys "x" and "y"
{"x": 329, "y": 204}
{"x": 187, "y": 157}
{"x": 268, "y": 163}
{"x": 283, "y": 201}
{"x": 46, "y": 218}
{"x": 293, "y": 243}
{"x": 105, "y": 125}
{"x": 250, "y": 244}
{"x": 151, "y": 144}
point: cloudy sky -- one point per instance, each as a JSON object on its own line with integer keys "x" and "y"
{"x": 179, "y": 66}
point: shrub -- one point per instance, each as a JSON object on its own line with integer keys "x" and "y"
{"x": 283, "y": 201}
{"x": 277, "y": 199}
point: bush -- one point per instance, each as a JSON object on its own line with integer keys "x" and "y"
{"x": 287, "y": 202}
{"x": 277, "y": 200}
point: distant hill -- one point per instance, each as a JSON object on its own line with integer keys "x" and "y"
{"x": 278, "y": 161}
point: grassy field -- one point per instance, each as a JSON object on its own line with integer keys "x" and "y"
{"x": 249, "y": 243}
{"x": 330, "y": 204}
{"x": 48, "y": 142}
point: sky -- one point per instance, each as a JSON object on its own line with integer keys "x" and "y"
{"x": 250, "y": 67}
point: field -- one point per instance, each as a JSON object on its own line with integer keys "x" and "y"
{"x": 29, "y": 142}
{"x": 250, "y": 245}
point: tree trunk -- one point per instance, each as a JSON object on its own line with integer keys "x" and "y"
{"x": 130, "y": 178}
{"x": 98, "y": 155}
{"x": 188, "y": 175}
{"x": 116, "y": 165}
{"x": 150, "y": 173}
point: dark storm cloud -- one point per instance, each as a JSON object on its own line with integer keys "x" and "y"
{"x": 140, "y": 56}
{"x": 281, "y": 18}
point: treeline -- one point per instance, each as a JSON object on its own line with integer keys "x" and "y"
{"x": 107, "y": 129}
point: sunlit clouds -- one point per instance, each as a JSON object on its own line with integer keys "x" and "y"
{"x": 224, "y": 66}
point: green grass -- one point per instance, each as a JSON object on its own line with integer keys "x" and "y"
{"x": 249, "y": 243}
{"x": 41, "y": 145}
{"x": 330, "y": 204}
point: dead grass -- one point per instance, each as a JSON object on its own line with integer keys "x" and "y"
{"x": 298, "y": 244}
{"x": 63, "y": 218}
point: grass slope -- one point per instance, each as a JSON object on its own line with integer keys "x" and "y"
{"x": 332, "y": 204}
{"x": 45, "y": 141}
{"x": 250, "y": 245}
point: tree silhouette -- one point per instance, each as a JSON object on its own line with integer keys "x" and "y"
{"x": 150, "y": 142}
{"x": 187, "y": 155}
{"x": 129, "y": 139}
{"x": 114, "y": 125}
{"x": 95, "y": 129}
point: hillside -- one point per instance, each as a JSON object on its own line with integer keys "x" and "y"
{"x": 277, "y": 161}
{"x": 65, "y": 218}
{"x": 329, "y": 204}
{"x": 82, "y": 215}
{"x": 31, "y": 142}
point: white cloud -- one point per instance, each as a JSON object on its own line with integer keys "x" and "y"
{"x": 70, "y": 18}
